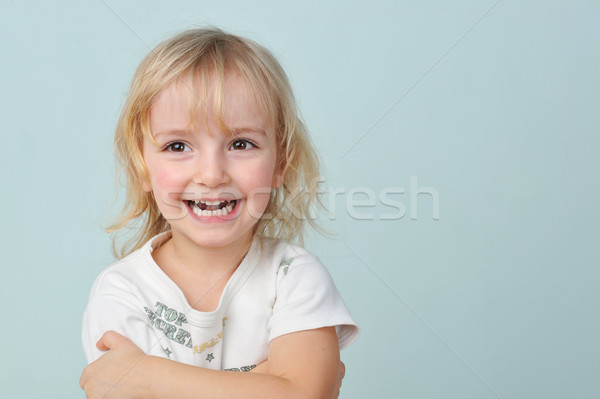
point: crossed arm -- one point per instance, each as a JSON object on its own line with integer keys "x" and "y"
{"x": 301, "y": 365}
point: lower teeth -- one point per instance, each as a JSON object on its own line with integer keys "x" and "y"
{"x": 219, "y": 212}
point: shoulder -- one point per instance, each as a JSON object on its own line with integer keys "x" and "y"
{"x": 296, "y": 268}
{"x": 286, "y": 256}
{"x": 306, "y": 297}
{"x": 124, "y": 274}
{"x": 117, "y": 276}
{"x": 279, "y": 250}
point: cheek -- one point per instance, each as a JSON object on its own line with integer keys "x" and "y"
{"x": 162, "y": 178}
{"x": 167, "y": 188}
{"x": 256, "y": 183}
{"x": 261, "y": 176}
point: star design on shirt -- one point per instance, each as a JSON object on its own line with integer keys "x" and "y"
{"x": 286, "y": 263}
{"x": 210, "y": 357}
{"x": 167, "y": 352}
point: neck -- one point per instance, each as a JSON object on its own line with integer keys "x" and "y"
{"x": 186, "y": 256}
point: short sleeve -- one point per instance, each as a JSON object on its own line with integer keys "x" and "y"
{"x": 109, "y": 312}
{"x": 308, "y": 299}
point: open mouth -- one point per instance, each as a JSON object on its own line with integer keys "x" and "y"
{"x": 212, "y": 208}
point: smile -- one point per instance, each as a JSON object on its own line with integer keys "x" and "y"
{"x": 212, "y": 208}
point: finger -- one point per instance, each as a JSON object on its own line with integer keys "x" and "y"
{"x": 109, "y": 340}
{"x": 83, "y": 378}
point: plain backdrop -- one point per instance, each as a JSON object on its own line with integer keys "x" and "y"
{"x": 486, "y": 111}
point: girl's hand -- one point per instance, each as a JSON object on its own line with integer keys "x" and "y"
{"x": 116, "y": 374}
{"x": 341, "y": 374}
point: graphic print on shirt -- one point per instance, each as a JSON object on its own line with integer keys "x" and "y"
{"x": 167, "y": 351}
{"x": 286, "y": 264}
{"x": 170, "y": 322}
{"x": 211, "y": 342}
{"x": 243, "y": 368}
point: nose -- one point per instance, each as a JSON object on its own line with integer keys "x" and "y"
{"x": 211, "y": 169}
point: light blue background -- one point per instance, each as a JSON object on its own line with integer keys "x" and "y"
{"x": 493, "y": 105}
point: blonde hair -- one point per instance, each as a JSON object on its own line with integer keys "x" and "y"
{"x": 202, "y": 54}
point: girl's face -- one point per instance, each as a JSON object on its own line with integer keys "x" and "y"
{"x": 212, "y": 181}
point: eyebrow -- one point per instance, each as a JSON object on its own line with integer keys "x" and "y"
{"x": 236, "y": 131}
{"x": 172, "y": 132}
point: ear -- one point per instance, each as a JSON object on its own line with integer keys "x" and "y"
{"x": 145, "y": 181}
{"x": 146, "y": 186}
{"x": 277, "y": 180}
{"x": 143, "y": 177}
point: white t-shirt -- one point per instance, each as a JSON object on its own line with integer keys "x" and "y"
{"x": 276, "y": 291}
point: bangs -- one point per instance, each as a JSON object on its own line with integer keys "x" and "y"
{"x": 205, "y": 84}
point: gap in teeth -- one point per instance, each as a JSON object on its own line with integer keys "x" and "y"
{"x": 212, "y": 208}
{"x": 227, "y": 207}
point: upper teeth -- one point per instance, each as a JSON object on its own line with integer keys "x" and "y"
{"x": 209, "y": 202}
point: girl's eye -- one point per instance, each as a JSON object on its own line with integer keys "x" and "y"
{"x": 241, "y": 144}
{"x": 177, "y": 146}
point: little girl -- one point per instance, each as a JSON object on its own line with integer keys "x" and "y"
{"x": 215, "y": 157}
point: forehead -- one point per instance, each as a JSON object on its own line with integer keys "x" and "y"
{"x": 227, "y": 103}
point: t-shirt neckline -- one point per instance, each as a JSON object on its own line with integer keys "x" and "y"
{"x": 235, "y": 283}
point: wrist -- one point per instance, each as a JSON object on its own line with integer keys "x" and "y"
{"x": 145, "y": 377}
